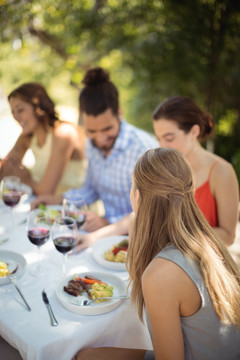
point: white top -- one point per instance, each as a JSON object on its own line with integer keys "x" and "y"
{"x": 74, "y": 174}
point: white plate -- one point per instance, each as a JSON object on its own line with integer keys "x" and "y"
{"x": 27, "y": 192}
{"x": 119, "y": 288}
{"x": 54, "y": 207}
{"x": 12, "y": 258}
{"x": 103, "y": 245}
{"x": 20, "y": 214}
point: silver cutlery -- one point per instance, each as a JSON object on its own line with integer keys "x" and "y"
{"x": 13, "y": 280}
{"x": 2, "y": 241}
{"x": 87, "y": 302}
{"x": 53, "y": 320}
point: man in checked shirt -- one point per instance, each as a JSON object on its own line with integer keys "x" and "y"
{"x": 113, "y": 147}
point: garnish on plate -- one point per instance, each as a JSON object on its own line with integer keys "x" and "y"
{"x": 4, "y": 271}
{"x": 118, "y": 252}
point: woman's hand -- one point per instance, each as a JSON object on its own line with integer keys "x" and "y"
{"x": 47, "y": 200}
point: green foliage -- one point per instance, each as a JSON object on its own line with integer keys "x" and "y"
{"x": 153, "y": 49}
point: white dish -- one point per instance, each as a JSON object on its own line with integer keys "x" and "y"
{"x": 58, "y": 208}
{"x": 101, "y": 246}
{"x": 119, "y": 288}
{"x": 27, "y": 192}
{"x": 13, "y": 259}
{"x": 20, "y": 213}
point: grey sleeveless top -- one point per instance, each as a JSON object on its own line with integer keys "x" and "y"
{"x": 205, "y": 336}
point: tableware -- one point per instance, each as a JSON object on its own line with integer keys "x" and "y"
{"x": 13, "y": 280}
{"x": 3, "y": 240}
{"x": 66, "y": 300}
{"x": 53, "y": 320}
{"x": 52, "y": 211}
{"x": 64, "y": 235}
{"x": 75, "y": 208}
{"x": 101, "y": 246}
{"x": 26, "y": 192}
{"x": 10, "y": 257}
{"x": 11, "y": 192}
{"x": 38, "y": 232}
{"x": 87, "y": 302}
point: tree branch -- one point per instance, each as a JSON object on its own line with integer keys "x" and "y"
{"x": 47, "y": 39}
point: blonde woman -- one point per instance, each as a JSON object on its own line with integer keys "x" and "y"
{"x": 181, "y": 273}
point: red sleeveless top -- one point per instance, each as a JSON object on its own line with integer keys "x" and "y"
{"x": 206, "y": 201}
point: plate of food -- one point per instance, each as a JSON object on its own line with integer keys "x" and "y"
{"x": 55, "y": 211}
{"x": 11, "y": 263}
{"x": 90, "y": 285}
{"x": 111, "y": 252}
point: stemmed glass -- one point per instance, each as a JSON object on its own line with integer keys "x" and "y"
{"x": 11, "y": 192}
{"x": 38, "y": 232}
{"x": 76, "y": 209}
{"x": 64, "y": 235}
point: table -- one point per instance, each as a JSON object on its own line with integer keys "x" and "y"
{"x": 31, "y": 333}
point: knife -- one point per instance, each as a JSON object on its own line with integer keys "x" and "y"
{"x": 53, "y": 320}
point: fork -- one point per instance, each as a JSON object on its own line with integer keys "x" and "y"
{"x": 13, "y": 280}
{"x": 86, "y": 302}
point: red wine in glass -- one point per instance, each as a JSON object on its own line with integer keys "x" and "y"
{"x": 38, "y": 236}
{"x": 11, "y": 191}
{"x": 12, "y": 198}
{"x": 64, "y": 244}
{"x": 80, "y": 220}
{"x": 38, "y": 232}
{"x": 78, "y": 216}
{"x": 75, "y": 208}
{"x": 64, "y": 235}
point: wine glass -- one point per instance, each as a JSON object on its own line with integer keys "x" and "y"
{"x": 76, "y": 209}
{"x": 11, "y": 192}
{"x": 64, "y": 235}
{"x": 38, "y": 232}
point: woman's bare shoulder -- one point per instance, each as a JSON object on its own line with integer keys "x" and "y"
{"x": 164, "y": 270}
{"x": 65, "y": 130}
{"x": 218, "y": 165}
{"x": 222, "y": 168}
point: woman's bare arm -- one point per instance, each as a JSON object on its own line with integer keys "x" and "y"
{"x": 119, "y": 228}
{"x": 12, "y": 164}
{"x": 163, "y": 285}
{"x": 225, "y": 189}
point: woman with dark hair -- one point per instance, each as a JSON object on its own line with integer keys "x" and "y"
{"x": 181, "y": 124}
{"x": 183, "y": 278}
{"x": 58, "y": 146}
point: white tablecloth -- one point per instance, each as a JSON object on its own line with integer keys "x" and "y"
{"x": 31, "y": 332}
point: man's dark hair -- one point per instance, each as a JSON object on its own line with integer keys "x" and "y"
{"x": 98, "y": 94}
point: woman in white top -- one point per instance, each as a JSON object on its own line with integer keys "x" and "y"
{"x": 58, "y": 146}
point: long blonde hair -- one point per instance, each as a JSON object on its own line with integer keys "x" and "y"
{"x": 168, "y": 214}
